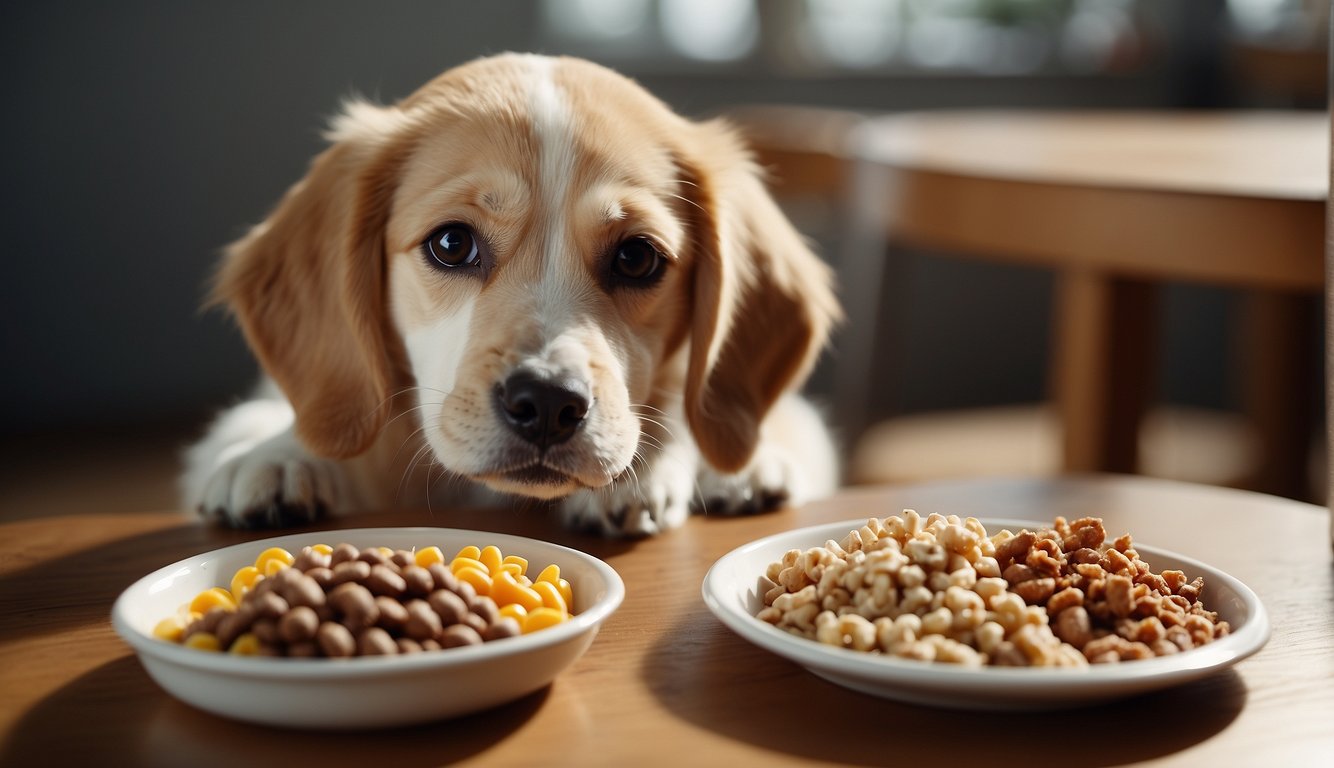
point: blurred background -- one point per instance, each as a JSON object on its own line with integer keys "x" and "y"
{"x": 143, "y": 136}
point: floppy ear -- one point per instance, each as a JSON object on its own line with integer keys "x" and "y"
{"x": 307, "y": 286}
{"x": 763, "y": 302}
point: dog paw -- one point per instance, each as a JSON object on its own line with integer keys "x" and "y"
{"x": 635, "y": 505}
{"x": 771, "y": 480}
{"x": 273, "y": 484}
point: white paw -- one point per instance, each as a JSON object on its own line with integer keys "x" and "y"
{"x": 645, "y": 502}
{"x": 273, "y": 484}
{"x": 771, "y": 480}
{"x": 251, "y": 472}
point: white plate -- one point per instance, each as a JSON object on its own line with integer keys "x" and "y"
{"x": 362, "y": 692}
{"x": 731, "y": 590}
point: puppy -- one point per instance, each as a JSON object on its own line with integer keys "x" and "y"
{"x": 529, "y": 276}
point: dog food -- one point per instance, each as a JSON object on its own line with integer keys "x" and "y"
{"x": 943, "y": 589}
{"x": 337, "y": 602}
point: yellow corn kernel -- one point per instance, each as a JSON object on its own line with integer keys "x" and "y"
{"x": 203, "y": 641}
{"x": 510, "y": 560}
{"x": 273, "y": 553}
{"x": 514, "y": 611}
{"x": 386, "y": 551}
{"x": 271, "y": 567}
{"x": 480, "y": 581}
{"x": 515, "y": 570}
{"x": 217, "y": 597}
{"x": 245, "y": 579}
{"x": 541, "y": 618}
{"x": 491, "y": 557}
{"x": 551, "y": 573}
{"x": 323, "y": 549}
{"x": 505, "y": 589}
{"x": 550, "y": 595}
{"x": 470, "y": 552}
{"x": 460, "y": 563}
{"x": 429, "y": 556}
{"x": 566, "y": 594}
{"x": 245, "y": 645}
{"x": 170, "y": 629}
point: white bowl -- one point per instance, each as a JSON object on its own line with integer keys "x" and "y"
{"x": 732, "y": 592}
{"x": 372, "y": 691}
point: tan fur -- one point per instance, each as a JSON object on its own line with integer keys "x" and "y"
{"x": 328, "y": 288}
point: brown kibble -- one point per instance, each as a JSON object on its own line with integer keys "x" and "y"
{"x": 260, "y": 587}
{"x": 372, "y": 556}
{"x": 1085, "y": 556}
{"x": 500, "y": 629}
{"x": 322, "y": 576}
{"x": 1018, "y": 573}
{"x": 1064, "y": 599}
{"x": 356, "y": 604}
{"x": 423, "y": 622}
{"x": 1035, "y": 591}
{"x": 448, "y": 606}
{"x": 485, "y": 608}
{"x": 459, "y": 635}
{"x": 307, "y": 650}
{"x": 374, "y": 641}
{"x": 1174, "y": 580}
{"x": 343, "y": 553}
{"x": 417, "y": 581}
{"x": 303, "y": 590}
{"x": 299, "y": 625}
{"x": 1118, "y": 563}
{"x": 269, "y": 605}
{"x": 335, "y": 640}
{"x": 266, "y": 631}
{"x": 309, "y": 558}
{"x": 443, "y": 577}
{"x": 478, "y": 623}
{"x": 408, "y": 645}
{"x": 402, "y": 558}
{"x": 431, "y": 645}
{"x": 383, "y": 581}
{"x": 1072, "y": 626}
{"x": 1119, "y": 599}
{"x": 1107, "y": 644}
{"x": 1043, "y": 562}
{"x": 234, "y": 624}
{"x": 1091, "y": 571}
{"x": 206, "y": 623}
{"x": 465, "y": 591}
{"x": 392, "y": 614}
{"x": 1085, "y": 533}
{"x": 352, "y": 571}
{"x": 1015, "y": 548}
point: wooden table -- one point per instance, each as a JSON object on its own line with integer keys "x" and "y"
{"x": 1115, "y": 204}
{"x": 664, "y": 683}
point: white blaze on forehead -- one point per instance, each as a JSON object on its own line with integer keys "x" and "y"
{"x": 554, "y": 132}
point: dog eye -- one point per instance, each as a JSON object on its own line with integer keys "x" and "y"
{"x": 636, "y": 260}
{"x": 452, "y": 246}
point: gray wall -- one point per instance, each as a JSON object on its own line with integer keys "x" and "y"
{"x": 143, "y": 136}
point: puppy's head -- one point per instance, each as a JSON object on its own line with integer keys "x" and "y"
{"x": 552, "y": 258}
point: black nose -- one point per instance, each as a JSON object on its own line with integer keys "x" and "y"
{"x": 540, "y": 411}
